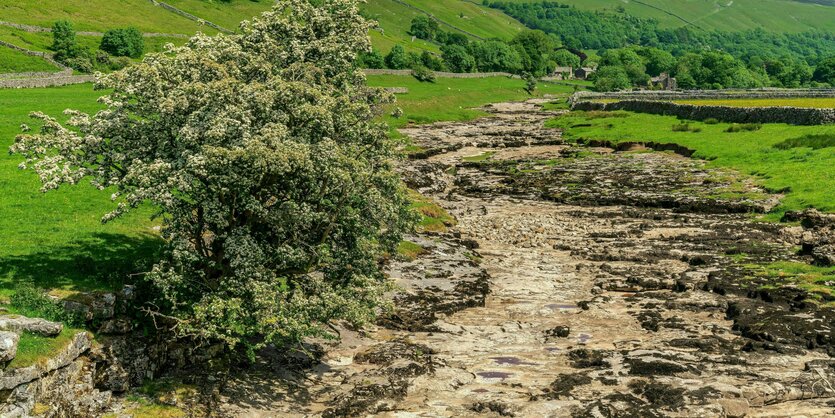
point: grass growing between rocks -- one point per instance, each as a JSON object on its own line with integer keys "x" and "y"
{"x": 433, "y": 217}
{"x": 805, "y": 174}
{"x": 35, "y": 349}
{"x": 409, "y": 250}
{"x": 818, "y": 281}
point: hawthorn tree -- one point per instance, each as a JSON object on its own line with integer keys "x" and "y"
{"x": 272, "y": 176}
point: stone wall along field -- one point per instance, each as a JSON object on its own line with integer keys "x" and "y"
{"x": 790, "y": 115}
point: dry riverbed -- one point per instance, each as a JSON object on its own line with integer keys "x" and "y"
{"x": 578, "y": 281}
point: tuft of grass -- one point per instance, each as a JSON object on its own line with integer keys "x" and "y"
{"x": 819, "y": 281}
{"x": 433, "y": 217}
{"x": 484, "y": 156}
{"x": 813, "y": 141}
{"x": 679, "y": 127}
{"x": 409, "y": 250}
{"x": 744, "y": 127}
{"x": 34, "y": 349}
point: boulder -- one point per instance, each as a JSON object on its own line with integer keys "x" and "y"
{"x": 734, "y": 408}
{"x": 17, "y": 323}
{"x": 8, "y": 345}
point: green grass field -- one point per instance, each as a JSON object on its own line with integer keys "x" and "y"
{"x": 57, "y": 239}
{"x": 815, "y": 102}
{"x": 776, "y": 154}
{"x": 457, "y": 99}
{"x": 728, "y": 15}
{"x": 12, "y": 61}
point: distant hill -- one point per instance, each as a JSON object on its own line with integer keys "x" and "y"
{"x": 470, "y": 18}
{"x": 727, "y": 15}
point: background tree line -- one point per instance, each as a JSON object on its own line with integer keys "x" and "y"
{"x": 632, "y": 49}
{"x": 531, "y": 51}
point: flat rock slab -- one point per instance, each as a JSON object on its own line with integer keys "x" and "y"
{"x": 8, "y": 345}
{"x": 10, "y": 379}
{"x": 17, "y": 323}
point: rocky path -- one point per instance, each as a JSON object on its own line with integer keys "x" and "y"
{"x": 578, "y": 282}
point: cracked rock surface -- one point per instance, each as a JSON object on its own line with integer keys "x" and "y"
{"x": 578, "y": 281}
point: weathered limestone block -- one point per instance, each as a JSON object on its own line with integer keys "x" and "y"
{"x": 8, "y": 345}
{"x": 40, "y": 326}
{"x": 64, "y": 392}
{"x": 10, "y": 379}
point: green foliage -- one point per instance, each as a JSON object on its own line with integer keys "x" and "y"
{"x": 125, "y": 42}
{"x": 431, "y": 61}
{"x": 530, "y": 83}
{"x": 495, "y": 56}
{"x": 30, "y": 301}
{"x": 423, "y": 74}
{"x": 611, "y": 78}
{"x": 566, "y": 58}
{"x": 424, "y": 27}
{"x": 373, "y": 59}
{"x": 63, "y": 41}
{"x": 758, "y": 58}
{"x": 458, "y": 59}
{"x": 656, "y": 60}
{"x": 397, "y": 59}
{"x": 685, "y": 127}
{"x": 825, "y": 71}
{"x": 535, "y": 49}
{"x": 273, "y": 177}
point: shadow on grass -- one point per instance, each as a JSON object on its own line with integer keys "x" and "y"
{"x": 102, "y": 262}
{"x": 811, "y": 141}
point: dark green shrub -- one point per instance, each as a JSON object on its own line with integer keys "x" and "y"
{"x": 124, "y": 42}
{"x": 423, "y": 74}
{"x": 30, "y": 301}
{"x": 120, "y": 62}
{"x": 748, "y": 127}
{"x": 81, "y": 63}
{"x": 711, "y": 121}
{"x": 813, "y": 141}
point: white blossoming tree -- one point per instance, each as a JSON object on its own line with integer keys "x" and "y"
{"x": 271, "y": 175}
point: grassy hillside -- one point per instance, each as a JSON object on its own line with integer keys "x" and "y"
{"x": 729, "y": 15}
{"x": 98, "y": 15}
{"x": 395, "y": 17}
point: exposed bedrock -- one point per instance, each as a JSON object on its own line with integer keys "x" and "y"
{"x": 578, "y": 281}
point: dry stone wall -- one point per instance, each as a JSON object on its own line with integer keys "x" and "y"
{"x": 703, "y": 94}
{"x": 790, "y": 115}
{"x": 441, "y": 74}
{"x": 52, "y": 81}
